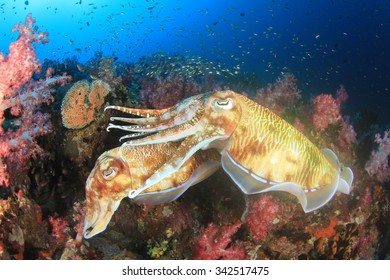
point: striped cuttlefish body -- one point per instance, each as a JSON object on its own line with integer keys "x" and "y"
{"x": 259, "y": 151}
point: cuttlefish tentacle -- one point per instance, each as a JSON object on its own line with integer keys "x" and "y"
{"x": 144, "y": 116}
{"x": 139, "y": 112}
{"x": 260, "y": 151}
{"x": 178, "y": 113}
{"x": 137, "y": 128}
{"x": 181, "y": 118}
{"x": 122, "y": 170}
{"x": 175, "y": 133}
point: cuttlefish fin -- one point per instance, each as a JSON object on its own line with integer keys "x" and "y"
{"x": 310, "y": 200}
{"x": 346, "y": 179}
{"x": 187, "y": 148}
{"x": 331, "y": 157}
{"x": 345, "y": 173}
{"x": 250, "y": 183}
{"x": 165, "y": 196}
{"x": 342, "y": 182}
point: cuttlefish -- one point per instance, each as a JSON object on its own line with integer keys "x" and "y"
{"x": 259, "y": 150}
{"x": 119, "y": 171}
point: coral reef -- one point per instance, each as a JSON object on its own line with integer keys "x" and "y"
{"x": 43, "y": 168}
{"x": 326, "y": 108}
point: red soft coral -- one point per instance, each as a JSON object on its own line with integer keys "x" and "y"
{"x": 213, "y": 243}
{"x": 325, "y": 111}
{"x": 326, "y": 108}
{"x": 164, "y": 93}
{"x": 279, "y": 96}
{"x": 260, "y": 216}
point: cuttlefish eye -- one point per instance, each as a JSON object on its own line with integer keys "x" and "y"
{"x": 109, "y": 173}
{"x": 225, "y": 104}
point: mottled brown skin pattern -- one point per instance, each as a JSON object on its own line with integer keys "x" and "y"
{"x": 133, "y": 166}
{"x": 270, "y": 147}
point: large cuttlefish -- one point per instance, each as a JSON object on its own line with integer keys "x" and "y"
{"x": 124, "y": 169}
{"x": 259, "y": 151}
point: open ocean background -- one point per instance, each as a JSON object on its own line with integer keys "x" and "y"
{"x": 323, "y": 43}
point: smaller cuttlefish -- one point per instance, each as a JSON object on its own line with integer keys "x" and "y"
{"x": 119, "y": 171}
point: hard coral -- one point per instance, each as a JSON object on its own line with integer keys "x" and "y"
{"x": 213, "y": 243}
{"x": 81, "y": 102}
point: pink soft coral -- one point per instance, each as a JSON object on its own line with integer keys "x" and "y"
{"x": 213, "y": 243}
{"x": 326, "y": 108}
{"x": 347, "y": 135}
{"x": 164, "y": 93}
{"x": 260, "y": 216}
{"x": 59, "y": 229}
{"x": 378, "y": 164}
{"x": 22, "y": 95}
{"x": 325, "y": 111}
{"x": 279, "y": 96}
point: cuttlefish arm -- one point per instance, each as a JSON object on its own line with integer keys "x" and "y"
{"x": 152, "y": 120}
{"x": 122, "y": 170}
{"x": 185, "y": 151}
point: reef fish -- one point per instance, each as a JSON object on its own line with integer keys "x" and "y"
{"x": 121, "y": 170}
{"x": 260, "y": 151}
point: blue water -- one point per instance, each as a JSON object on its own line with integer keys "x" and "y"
{"x": 323, "y": 43}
